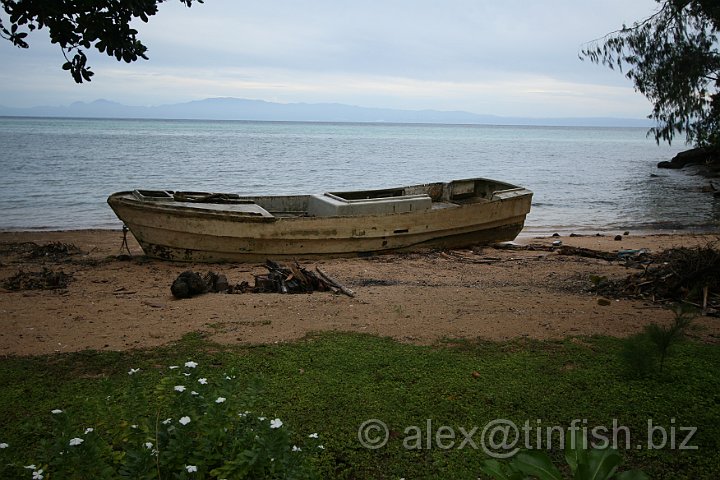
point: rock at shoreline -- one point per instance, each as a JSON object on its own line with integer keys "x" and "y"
{"x": 695, "y": 156}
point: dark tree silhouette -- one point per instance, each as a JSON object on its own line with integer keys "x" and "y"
{"x": 78, "y": 25}
{"x": 672, "y": 58}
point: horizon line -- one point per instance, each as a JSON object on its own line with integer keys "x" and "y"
{"x": 322, "y": 112}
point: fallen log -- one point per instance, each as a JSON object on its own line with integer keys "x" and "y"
{"x": 587, "y": 253}
{"x": 334, "y": 283}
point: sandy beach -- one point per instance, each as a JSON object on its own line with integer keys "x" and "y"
{"x": 422, "y": 298}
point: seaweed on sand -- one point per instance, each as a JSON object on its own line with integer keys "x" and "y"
{"x": 51, "y": 251}
{"x": 54, "y": 250}
{"x": 44, "y": 280}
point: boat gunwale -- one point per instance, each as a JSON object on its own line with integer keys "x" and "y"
{"x": 128, "y": 198}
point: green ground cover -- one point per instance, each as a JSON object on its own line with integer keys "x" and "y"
{"x": 332, "y": 383}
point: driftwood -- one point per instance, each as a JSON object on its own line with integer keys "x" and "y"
{"x": 630, "y": 257}
{"x": 279, "y": 279}
{"x": 282, "y": 279}
{"x": 296, "y": 279}
{"x": 587, "y": 253}
{"x": 334, "y": 283}
{"x": 687, "y": 275}
{"x": 464, "y": 258}
{"x": 530, "y": 247}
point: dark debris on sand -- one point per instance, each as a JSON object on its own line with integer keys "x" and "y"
{"x": 54, "y": 250}
{"x": 291, "y": 278}
{"x": 189, "y": 284}
{"x": 690, "y": 275}
{"x": 44, "y": 280}
{"x": 51, "y": 251}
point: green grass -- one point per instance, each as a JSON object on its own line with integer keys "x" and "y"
{"x": 331, "y": 383}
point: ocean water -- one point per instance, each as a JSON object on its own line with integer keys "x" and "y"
{"x": 57, "y": 173}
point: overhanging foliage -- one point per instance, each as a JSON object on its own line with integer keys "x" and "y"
{"x": 81, "y": 24}
{"x": 672, "y": 58}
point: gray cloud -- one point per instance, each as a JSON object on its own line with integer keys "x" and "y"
{"x": 506, "y": 58}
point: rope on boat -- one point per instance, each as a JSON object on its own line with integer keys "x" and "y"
{"x": 125, "y": 230}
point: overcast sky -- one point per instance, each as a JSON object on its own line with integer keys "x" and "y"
{"x": 500, "y": 57}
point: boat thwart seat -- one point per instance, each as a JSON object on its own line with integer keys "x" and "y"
{"x": 331, "y": 205}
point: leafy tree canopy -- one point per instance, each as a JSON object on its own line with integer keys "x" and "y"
{"x": 672, "y": 58}
{"x": 81, "y": 24}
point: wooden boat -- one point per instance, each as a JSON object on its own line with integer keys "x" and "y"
{"x": 216, "y": 227}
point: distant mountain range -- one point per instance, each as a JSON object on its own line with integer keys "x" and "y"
{"x": 259, "y": 110}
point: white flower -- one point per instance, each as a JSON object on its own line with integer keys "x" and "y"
{"x": 134, "y": 427}
{"x": 296, "y": 449}
{"x": 191, "y": 364}
{"x": 37, "y": 475}
{"x": 194, "y": 393}
{"x": 227, "y": 377}
{"x": 3, "y": 445}
{"x": 148, "y": 445}
{"x": 184, "y": 420}
{"x": 166, "y": 421}
{"x": 88, "y": 430}
{"x": 202, "y": 381}
{"x": 220, "y": 400}
{"x": 133, "y": 370}
{"x": 74, "y": 442}
{"x": 173, "y": 367}
{"x": 56, "y": 411}
{"x": 191, "y": 468}
{"x": 262, "y": 419}
{"x": 277, "y": 423}
{"x": 313, "y": 435}
{"x": 187, "y": 374}
{"x": 179, "y": 388}
{"x": 321, "y": 447}
{"x": 30, "y": 467}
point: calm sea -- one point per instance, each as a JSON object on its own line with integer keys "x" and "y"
{"x": 57, "y": 173}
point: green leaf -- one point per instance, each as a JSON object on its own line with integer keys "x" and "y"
{"x": 494, "y": 469}
{"x": 537, "y": 463}
{"x": 632, "y": 475}
{"x": 601, "y": 465}
{"x": 576, "y": 449}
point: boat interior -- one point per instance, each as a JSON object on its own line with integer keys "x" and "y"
{"x": 351, "y": 203}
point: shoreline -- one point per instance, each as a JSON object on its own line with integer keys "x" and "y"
{"x": 420, "y": 298}
{"x": 541, "y": 232}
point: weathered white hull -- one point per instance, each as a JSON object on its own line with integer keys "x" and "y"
{"x": 205, "y": 232}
